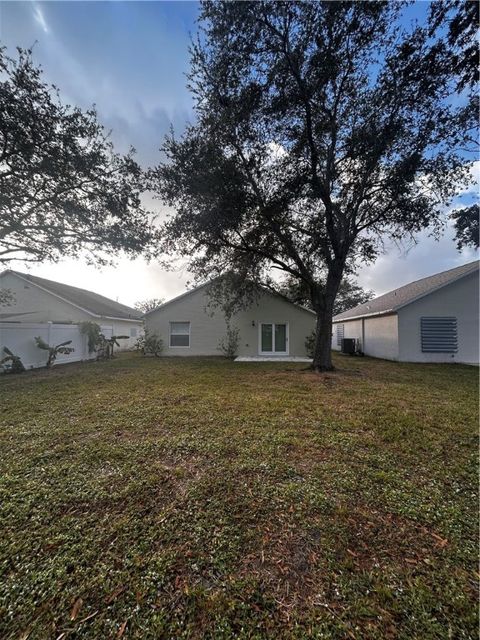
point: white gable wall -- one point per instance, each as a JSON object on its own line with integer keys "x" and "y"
{"x": 459, "y": 299}
{"x": 206, "y": 330}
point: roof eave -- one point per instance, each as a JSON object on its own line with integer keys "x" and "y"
{"x": 386, "y": 312}
{"x": 123, "y": 319}
{"x": 77, "y": 306}
{"x": 396, "y": 308}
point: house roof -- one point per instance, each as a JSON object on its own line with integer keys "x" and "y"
{"x": 93, "y": 303}
{"x": 205, "y": 284}
{"x": 393, "y": 300}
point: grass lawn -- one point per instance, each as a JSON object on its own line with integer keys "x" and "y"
{"x": 198, "y": 498}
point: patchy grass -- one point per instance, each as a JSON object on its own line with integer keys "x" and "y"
{"x": 170, "y": 498}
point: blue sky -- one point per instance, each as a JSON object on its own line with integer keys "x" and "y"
{"x": 130, "y": 59}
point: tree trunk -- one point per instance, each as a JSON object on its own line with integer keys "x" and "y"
{"x": 323, "y": 305}
{"x": 322, "y": 356}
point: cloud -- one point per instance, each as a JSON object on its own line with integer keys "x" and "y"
{"x": 40, "y": 18}
{"x": 399, "y": 266}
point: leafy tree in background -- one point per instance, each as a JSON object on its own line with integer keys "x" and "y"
{"x": 349, "y": 295}
{"x": 63, "y": 189}
{"x": 322, "y": 128}
{"x": 148, "y": 305}
{"x": 466, "y": 226}
{"x": 459, "y": 20}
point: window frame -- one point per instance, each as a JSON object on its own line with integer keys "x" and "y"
{"x": 274, "y": 353}
{"x": 179, "y": 346}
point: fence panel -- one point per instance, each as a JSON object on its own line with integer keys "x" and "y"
{"x": 20, "y": 339}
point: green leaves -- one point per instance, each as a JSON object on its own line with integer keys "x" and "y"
{"x": 64, "y": 188}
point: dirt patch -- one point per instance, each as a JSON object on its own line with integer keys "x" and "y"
{"x": 375, "y": 539}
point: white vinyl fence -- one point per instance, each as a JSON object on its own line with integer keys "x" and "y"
{"x": 20, "y": 339}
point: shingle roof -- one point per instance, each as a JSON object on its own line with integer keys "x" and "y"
{"x": 394, "y": 300}
{"x": 88, "y": 300}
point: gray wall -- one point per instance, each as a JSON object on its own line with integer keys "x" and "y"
{"x": 459, "y": 299}
{"x": 397, "y": 336}
{"x": 206, "y": 330}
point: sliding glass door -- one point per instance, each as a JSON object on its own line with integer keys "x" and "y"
{"x": 273, "y": 338}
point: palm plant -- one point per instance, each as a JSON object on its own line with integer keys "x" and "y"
{"x": 11, "y": 363}
{"x": 106, "y": 346}
{"x": 53, "y": 352}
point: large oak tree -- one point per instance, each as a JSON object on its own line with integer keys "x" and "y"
{"x": 322, "y": 127}
{"x": 63, "y": 189}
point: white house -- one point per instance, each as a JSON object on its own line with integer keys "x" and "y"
{"x": 435, "y": 319}
{"x": 49, "y": 309}
{"x": 272, "y": 327}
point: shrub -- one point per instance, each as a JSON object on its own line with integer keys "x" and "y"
{"x": 228, "y": 345}
{"x": 310, "y": 344}
{"x": 93, "y": 332}
{"x": 150, "y": 344}
{"x": 11, "y": 363}
{"x": 106, "y": 345}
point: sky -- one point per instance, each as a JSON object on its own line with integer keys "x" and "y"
{"x": 130, "y": 60}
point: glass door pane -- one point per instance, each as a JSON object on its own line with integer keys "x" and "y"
{"x": 281, "y": 338}
{"x": 267, "y": 337}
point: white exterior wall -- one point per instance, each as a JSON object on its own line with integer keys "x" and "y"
{"x": 459, "y": 299}
{"x": 34, "y": 305}
{"x": 381, "y": 337}
{"x": 378, "y": 336}
{"x": 351, "y": 329}
{"x": 124, "y": 328}
{"x": 206, "y": 330}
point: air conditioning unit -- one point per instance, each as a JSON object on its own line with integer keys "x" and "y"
{"x": 349, "y": 345}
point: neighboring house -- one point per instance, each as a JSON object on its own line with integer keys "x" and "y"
{"x": 38, "y": 300}
{"x": 435, "y": 319}
{"x": 272, "y": 327}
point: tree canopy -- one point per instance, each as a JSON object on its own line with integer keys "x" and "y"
{"x": 349, "y": 294}
{"x": 466, "y": 222}
{"x": 148, "y": 305}
{"x": 322, "y": 128}
{"x": 63, "y": 188}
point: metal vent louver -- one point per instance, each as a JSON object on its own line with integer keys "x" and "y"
{"x": 439, "y": 334}
{"x": 340, "y": 332}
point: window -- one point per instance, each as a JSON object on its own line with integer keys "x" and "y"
{"x": 133, "y": 332}
{"x": 438, "y": 334}
{"x": 340, "y": 334}
{"x": 180, "y": 334}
